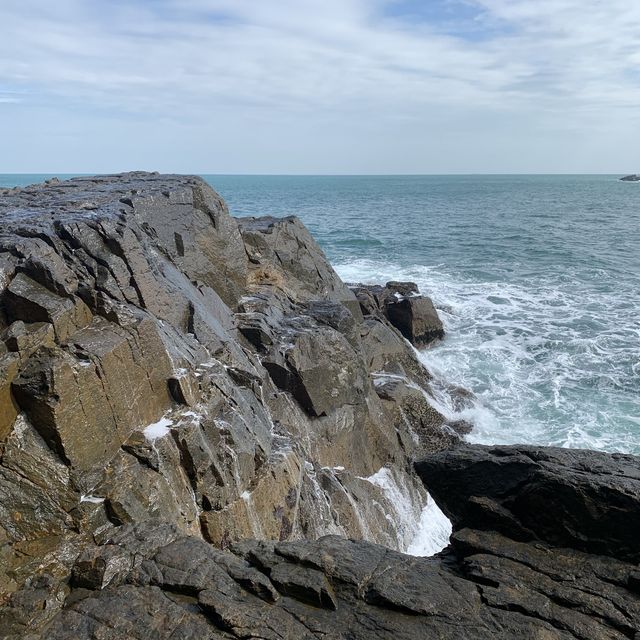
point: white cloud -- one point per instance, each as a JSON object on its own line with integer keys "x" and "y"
{"x": 229, "y": 77}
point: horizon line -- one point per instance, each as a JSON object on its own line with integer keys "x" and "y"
{"x": 313, "y": 175}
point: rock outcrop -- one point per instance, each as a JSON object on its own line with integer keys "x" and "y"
{"x": 204, "y": 433}
{"x": 161, "y": 360}
{"x": 634, "y": 177}
{"x": 404, "y": 307}
{"x": 151, "y": 581}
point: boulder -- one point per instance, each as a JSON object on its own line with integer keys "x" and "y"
{"x": 412, "y": 314}
{"x": 585, "y": 500}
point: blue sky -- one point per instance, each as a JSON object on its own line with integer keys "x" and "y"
{"x": 320, "y": 86}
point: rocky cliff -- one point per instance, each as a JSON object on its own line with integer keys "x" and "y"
{"x": 204, "y": 433}
{"x": 162, "y": 360}
{"x": 510, "y": 572}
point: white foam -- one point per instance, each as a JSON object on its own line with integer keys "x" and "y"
{"x": 157, "y": 429}
{"x": 434, "y": 531}
{"x": 550, "y": 356}
{"x": 404, "y": 502}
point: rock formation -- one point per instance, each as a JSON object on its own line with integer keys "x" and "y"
{"x": 631, "y": 178}
{"x": 204, "y": 433}
{"x": 504, "y": 576}
{"x": 402, "y": 305}
{"x": 161, "y": 360}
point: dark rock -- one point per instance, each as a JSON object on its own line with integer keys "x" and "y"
{"x": 161, "y": 362}
{"x": 585, "y": 500}
{"x": 415, "y": 317}
{"x": 492, "y": 587}
{"x": 631, "y": 178}
{"x": 401, "y": 303}
{"x": 28, "y": 301}
{"x": 97, "y": 567}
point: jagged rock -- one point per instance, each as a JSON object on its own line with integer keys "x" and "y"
{"x": 244, "y": 517}
{"x": 35, "y": 496}
{"x": 162, "y": 360}
{"x": 28, "y": 301}
{"x": 402, "y": 305}
{"x": 183, "y": 387}
{"x": 9, "y": 367}
{"x": 84, "y": 405}
{"x": 283, "y": 255}
{"x": 162, "y": 584}
{"x": 321, "y": 372}
{"x": 97, "y": 567}
{"x": 416, "y": 318}
{"x": 25, "y": 339}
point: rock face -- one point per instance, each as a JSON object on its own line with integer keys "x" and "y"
{"x": 160, "y": 360}
{"x": 595, "y": 496}
{"x": 151, "y": 581}
{"x": 402, "y": 305}
{"x": 190, "y": 404}
{"x": 551, "y": 534}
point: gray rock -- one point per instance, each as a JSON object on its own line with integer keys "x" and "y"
{"x": 161, "y": 361}
{"x": 402, "y": 305}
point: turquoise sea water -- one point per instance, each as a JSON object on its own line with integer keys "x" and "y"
{"x": 537, "y": 279}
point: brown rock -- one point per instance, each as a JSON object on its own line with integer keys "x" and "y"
{"x": 8, "y": 406}
{"x": 30, "y": 302}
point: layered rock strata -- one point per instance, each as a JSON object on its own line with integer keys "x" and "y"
{"x": 161, "y": 360}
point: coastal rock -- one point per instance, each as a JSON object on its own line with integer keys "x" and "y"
{"x": 402, "y": 305}
{"x": 595, "y": 496}
{"x": 631, "y": 178}
{"x": 204, "y": 433}
{"x": 283, "y": 255}
{"x": 160, "y": 359}
{"x": 487, "y": 584}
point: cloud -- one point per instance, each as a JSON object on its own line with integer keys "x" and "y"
{"x": 365, "y": 72}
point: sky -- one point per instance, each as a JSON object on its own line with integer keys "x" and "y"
{"x": 320, "y": 86}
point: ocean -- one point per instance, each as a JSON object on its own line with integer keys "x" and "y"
{"x": 537, "y": 280}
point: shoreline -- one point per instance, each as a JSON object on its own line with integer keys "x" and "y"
{"x": 175, "y": 382}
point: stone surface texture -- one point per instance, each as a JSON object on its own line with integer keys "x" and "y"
{"x": 161, "y": 360}
{"x": 204, "y": 433}
{"x": 150, "y": 580}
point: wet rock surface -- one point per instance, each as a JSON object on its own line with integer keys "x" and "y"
{"x": 204, "y": 433}
{"x": 151, "y": 581}
{"x": 411, "y": 313}
{"x": 161, "y": 360}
